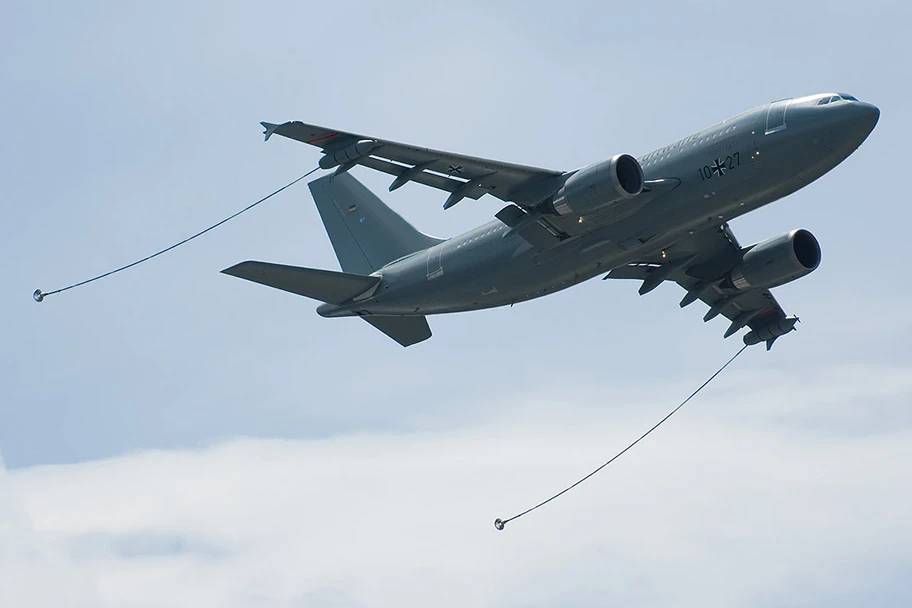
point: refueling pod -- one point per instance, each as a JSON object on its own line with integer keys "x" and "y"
{"x": 769, "y": 333}
{"x": 347, "y": 155}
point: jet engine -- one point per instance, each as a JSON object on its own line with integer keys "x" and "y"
{"x": 600, "y": 186}
{"x": 775, "y": 262}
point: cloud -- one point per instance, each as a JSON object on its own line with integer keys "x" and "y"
{"x": 32, "y": 571}
{"x": 708, "y": 511}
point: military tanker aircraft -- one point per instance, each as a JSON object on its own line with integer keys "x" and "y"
{"x": 660, "y": 217}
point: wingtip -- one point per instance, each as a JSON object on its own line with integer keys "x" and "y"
{"x": 270, "y": 129}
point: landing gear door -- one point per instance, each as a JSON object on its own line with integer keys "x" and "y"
{"x": 775, "y": 118}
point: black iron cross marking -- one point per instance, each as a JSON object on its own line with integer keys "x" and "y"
{"x": 718, "y": 167}
{"x": 453, "y": 169}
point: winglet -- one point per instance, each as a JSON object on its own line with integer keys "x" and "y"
{"x": 270, "y": 129}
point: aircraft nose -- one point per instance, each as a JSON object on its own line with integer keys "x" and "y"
{"x": 849, "y": 120}
{"x": 861, "y": 120}
{"x": 867, "y": 115}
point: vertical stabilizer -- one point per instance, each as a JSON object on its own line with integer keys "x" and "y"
{"x": 365, "y": 233}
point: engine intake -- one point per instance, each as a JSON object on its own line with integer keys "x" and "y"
{"x": 776, "y": 261}
{"x": 600, "y": 186}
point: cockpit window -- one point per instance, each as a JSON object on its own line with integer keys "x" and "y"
{"x": 834, "y": 98}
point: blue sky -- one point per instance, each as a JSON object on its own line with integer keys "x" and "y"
{"x": 131, "y": 126}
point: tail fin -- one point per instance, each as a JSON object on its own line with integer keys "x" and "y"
{"x": 323, "y": 285}
{"x": 365, "y": 233}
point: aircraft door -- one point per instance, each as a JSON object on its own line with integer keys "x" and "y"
{"x": 434, "y": 265}
{"x": 775, "y": 117}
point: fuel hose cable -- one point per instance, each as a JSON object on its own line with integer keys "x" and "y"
{"x": 501, "y": 523}
{"x": 39, "y": 295}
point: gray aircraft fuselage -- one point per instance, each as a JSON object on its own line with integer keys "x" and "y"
{"x": 725, "y": 171}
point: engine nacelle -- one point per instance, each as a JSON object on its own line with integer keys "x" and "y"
{"x": 600, "y": 186}
{"x": 776, "y": 261}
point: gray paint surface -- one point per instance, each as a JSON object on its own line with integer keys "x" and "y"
{"x": 715, "y": 175}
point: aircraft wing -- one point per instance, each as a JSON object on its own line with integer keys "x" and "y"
{"x": 700, "y": 265}
{"x": 462, "y": 176}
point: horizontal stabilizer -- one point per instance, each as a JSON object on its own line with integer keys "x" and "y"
{"x": 404, "y": 330}
{"x": 323, "y": 285}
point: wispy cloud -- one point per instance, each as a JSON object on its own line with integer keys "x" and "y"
{"x": 708, "y": 512}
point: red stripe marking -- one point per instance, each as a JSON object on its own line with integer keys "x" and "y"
{"x": 316, "y": 139}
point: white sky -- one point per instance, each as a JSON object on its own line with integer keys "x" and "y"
{"x": 173, "y": 435}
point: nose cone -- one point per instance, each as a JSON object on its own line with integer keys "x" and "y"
{"x": 864, "y": 119}
{"x": 845, "y": 123}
